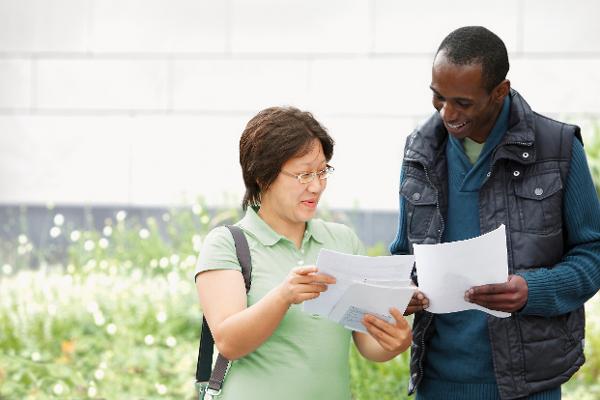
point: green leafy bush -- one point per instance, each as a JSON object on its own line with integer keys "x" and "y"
{"x": 120, "y": 318}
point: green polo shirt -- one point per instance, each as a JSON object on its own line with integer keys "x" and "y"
{"x": 307, "y": 356}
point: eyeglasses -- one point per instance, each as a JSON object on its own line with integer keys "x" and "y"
{"x": 308, "y": 177}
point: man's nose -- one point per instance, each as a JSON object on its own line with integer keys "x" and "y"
{"x": 447, "y": 112}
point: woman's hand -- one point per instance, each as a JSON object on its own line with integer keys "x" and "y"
{"x": 304, "y": 283}
{"x": 394, "y": 338}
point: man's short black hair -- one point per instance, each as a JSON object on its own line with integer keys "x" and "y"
{"x": 476, "y": 44}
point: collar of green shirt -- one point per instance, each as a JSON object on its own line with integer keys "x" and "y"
{"x": 254, "y": 224}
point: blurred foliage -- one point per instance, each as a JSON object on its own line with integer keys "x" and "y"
{"x": 119, "y": 318}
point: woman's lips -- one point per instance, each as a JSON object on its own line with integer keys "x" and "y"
{"x": 310, "y": 203}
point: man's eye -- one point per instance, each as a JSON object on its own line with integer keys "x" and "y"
{"x": 463, "y": 104}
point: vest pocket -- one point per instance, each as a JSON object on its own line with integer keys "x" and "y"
{"x": 548, "y": 348}
{"x": 420, "y": 206}
{"x": 539, "y": 202}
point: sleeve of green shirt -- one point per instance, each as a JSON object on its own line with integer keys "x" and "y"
{"x": 218, "y": 252}
{"x": 576, "y": 278}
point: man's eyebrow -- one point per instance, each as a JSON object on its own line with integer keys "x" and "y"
{"x": 455, "y": 98}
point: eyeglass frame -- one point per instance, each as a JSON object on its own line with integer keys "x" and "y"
{"x": 322, "y": 174}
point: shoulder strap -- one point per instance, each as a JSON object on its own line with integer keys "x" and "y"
{"x": 205, "y": 353}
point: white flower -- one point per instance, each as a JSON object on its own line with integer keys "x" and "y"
{"x": 153, "y": 263}
{"x": 99, "y": 319}
{"x": 92, "y": 391}
{"x": 103, "y": 243}
{"x": 58, "y": 389}
{"x": 59, "y": 220}
{"x": 197, "y": 209}
{"x": 190, "y": 260}
{"x": 111, "y": 329}
{"x": 55, "y": 231}
{"x": 137, "y": 274}
{"x": 7, "y": 269}
{"x": 103, "y": 264}
{"x": 22, "y": 239}
{"x": 174, "y": 259}
{"x": 166, "y": 217}
{"x": 171, "y": 341}
{"x": 75, "y": 236}
{"x": 205, "y": 219}
{"x": 161, "y": 389}
{"x": 121, "y": 215}
{"x": 161, "y": 317}
{"x": 99, "y": 374}
{"x": 35, "y": 356}
{"x": 92, "y": 307}
{"x": 107, "y": 230}
{"x": 149, "y": 340}
{"x": 164, "y": 262}
{"x": 89, "y": 245}
{"x": 144, "y": 233}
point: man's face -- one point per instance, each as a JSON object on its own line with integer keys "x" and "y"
{"x": 464, "y": 104}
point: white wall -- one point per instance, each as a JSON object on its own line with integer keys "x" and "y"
{"x": 141, "y": 102}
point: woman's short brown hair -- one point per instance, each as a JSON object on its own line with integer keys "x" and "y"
{"x": 271, "y": 138}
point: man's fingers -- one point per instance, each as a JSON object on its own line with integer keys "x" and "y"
{"x": 494, "y": 288}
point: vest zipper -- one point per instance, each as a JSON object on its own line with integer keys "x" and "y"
{"x": 440, "y": 230}
{"x": 421, "y": 372}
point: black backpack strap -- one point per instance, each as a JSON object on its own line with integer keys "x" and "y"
{"x": 205, "y": 353}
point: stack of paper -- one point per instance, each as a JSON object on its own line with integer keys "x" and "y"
{"x": 364, "y": 285}
{"x": 447, "y": 270}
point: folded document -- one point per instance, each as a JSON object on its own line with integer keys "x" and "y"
{"x": 364, "y": 285}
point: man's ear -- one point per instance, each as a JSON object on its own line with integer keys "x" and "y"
{"x": 502, "y": 90}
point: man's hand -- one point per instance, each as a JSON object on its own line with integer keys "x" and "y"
{"x": 510, "y": 296}
{"x": 418, "y": 302}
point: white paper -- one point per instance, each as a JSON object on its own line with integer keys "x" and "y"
{"x": 363, "y": 285}
{"x": 360, "y": 299}
{"x": 447, "y": 270}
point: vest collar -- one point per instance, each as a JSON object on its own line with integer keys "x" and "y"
{"x": 428, "y": 141}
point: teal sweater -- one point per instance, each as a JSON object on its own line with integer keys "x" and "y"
{"x": 458, "y": 364}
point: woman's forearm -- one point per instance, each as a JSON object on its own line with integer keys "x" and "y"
{"x": 244, "y": 331}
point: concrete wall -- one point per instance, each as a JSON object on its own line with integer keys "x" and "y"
{"x": 141, "y": 102}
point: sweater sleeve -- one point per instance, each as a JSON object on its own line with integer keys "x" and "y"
{"x": 576, "y": 278}
{"x": 400, "y": 243}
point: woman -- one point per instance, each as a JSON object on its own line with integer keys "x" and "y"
{"x": 280, "y": 352}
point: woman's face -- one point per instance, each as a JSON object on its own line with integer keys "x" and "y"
{"x": 290, "y": 202}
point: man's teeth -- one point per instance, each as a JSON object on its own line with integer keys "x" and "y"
{"x": 456, "y": 126}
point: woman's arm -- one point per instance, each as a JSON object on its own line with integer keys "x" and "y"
{"x": 384, "y": 341}
{"x": 239, "y": 329}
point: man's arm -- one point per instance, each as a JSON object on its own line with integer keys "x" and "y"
{"x": 567, "y": 286}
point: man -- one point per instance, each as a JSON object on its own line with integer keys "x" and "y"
{"x": 485, "y": 159}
